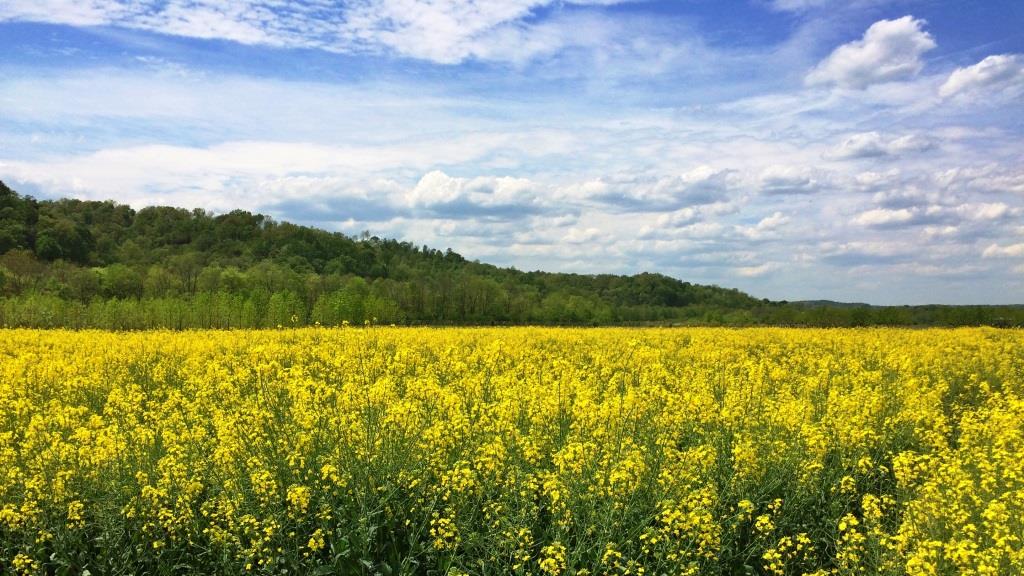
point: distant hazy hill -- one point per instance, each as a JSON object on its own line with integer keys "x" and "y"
{"x": 85, "y": 263}
{"x": 829, "y": 304}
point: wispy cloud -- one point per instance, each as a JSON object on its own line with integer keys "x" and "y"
{"x": 445, "y": 31}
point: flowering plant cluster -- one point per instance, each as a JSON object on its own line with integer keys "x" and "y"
{"x": 512, "y": 451}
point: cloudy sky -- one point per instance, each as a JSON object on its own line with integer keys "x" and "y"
{"x": 868, "y": 150}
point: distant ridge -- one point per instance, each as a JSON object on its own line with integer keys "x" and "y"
{"x": 835, "y": 304}
{"x": 831, "y": 304}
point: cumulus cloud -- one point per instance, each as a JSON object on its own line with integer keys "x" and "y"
{"x": 876, "y": 145}
{"x": 204, "y": 177}
{"x": 772, "y": 222}
{"x": 883, "y": 217}
{"x": 992, "y": 178}
{"x": 916, "y": 215}
{"x": 703, "y": 221}
{"x": 214, "y": 177}
{"x": 865, "y": 252}
{"x": 985, "y": 211}
{"x": 329, "y": 199}
{"x": 1008, "y": 251}
{"x": 756, "y": 271}
{"x": 783, "y": 180}
{"x": 502, "y": 197}
{"x": 872, "y": 181}
{"x": 664, "y": 236}
{"x": 646, "y": 191}
{"x": 581, "y": 235}
{"x": 994, "y": 74}
{"x": 932, "y": 232}
{"x": 765, "y": 227}
{"x": 679, "y": 218}
{"x": 890, "y": 50}
{"x": 906, "y": 198}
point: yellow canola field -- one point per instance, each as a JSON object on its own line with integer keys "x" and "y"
{"x": 512, "y": 451}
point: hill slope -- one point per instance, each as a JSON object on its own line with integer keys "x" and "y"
{"x": 85, "y": 263}
{"x": 83, "y": 250}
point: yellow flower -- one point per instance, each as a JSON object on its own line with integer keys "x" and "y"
{"x": 316, "y": 541}
{"x": 552, "y": 559}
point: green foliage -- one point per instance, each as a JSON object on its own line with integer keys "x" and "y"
{"x": 121, "y": 281}
{"x": 17, "y": 218}
{"x": 246, "y": 270}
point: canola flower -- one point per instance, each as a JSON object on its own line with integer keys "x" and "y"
{"x": 512, "y": 451}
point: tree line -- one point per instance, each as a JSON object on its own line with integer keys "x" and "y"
{"x": 73, "y": 263}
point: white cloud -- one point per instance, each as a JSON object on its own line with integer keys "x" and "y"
{"x": 244, "y": 21}
{"x": 451, "y": 31}
{"x": 783, "y": 180}
{"x": 772, "y": 222}
{"x": 443, "y": 31}
{"x": 884, "y": 217}
{"x": 992, "y": 177}
{"x": 483, "y": 196}
{"x": 73, "y": 12}
{"x": 708, "y": 230}
{"x": 996, "y": 73}
{"x": 645, "y": 191}
{"x": 911, "y": 197}
{"x": 890, "y": 50}
{"x": 940, "y": 231}
{"x": 766, "y": 227}
{"x": 918, "y": 211}
{"x": 859, "y": 253}
{"x": 679, "y": 218}
{"x": 987, "y": 211}
{"x": 864, "y": 145}
{"x": 1008, "y": 251}
{"x": 871, "y": 181}
{"x": 875, "y": 145}
{"x": 136, "y": 173}
{"x": 689, "y": 222}
{"x": 581, "y": 235}
{"x": 756, "y": 271}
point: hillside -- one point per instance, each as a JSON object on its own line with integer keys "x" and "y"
{"x": 86, "y": 263}
{"x": 84, "y": 250}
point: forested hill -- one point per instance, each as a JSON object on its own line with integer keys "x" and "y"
{"x": 85, "y": 263}
{"x": 81, "y": 251}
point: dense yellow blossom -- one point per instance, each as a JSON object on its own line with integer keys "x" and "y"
{"x": 513, "y": 451}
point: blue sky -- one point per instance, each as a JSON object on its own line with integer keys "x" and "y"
{"x": 862, "y": 150}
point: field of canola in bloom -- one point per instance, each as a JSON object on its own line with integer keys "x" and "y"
{"x": 512, "y": 451}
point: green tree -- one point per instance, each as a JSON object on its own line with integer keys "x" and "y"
{"x": 120, "y": 281}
